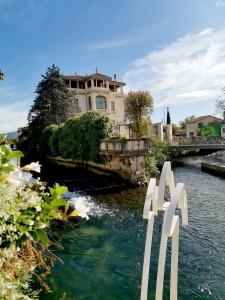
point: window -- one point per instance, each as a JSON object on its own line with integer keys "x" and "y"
{"x": 81, "y": 85}
{"x": 89, "y": 103}
{"x": 73, "y": 84}
{"x": 89, "y": 83}
{"x": 112, "y": 106}
{"x": 101, "y": 102}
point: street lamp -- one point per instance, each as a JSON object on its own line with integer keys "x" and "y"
{"x": 1, "y": 75}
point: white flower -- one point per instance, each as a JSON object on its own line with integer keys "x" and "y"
{"x": 17, "y": 177}
{"x": 31, "y": 222}
{"x": 80, "y": 208}
{"x": 38, "y": 208}
{"x": 34, "y": 166}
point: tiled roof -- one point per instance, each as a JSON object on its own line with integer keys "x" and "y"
{"x": 75, "y": 76}
{"x": 202, "y": 118}
{"x": 95, "y": 75}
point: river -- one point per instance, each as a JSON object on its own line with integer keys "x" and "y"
{"x": 103, "y": 256}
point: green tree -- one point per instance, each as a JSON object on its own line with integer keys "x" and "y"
{"x": 80, "y": 137}
{"x": 175, "y": 128}
{"x": 1, "y": 75}
{"x": 138, "y": 106}
{"x": 183, "y": 123}
{"x": 53, "y": 103}
{"x": 220, "y": 102}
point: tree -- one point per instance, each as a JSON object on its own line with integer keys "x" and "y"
{"x": 183, "y": 124}
{"x": 53, "y": 103}
{"x": 1, "y": 75}
{"x": 175, "y": 128}
{"x": 168, "y": 119}
{"x": 138, "y": 106}
{"x": 220, "y": 102}
{"x": 80, "y": 137}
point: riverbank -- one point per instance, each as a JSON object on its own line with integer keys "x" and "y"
{"x": 214, "y": 167}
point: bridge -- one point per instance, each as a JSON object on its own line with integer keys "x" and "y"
{"x": 200, "y": 143}
{"x": 215, "y": 147}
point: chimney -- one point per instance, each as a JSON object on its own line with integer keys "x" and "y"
{"x": 114, "y": 77}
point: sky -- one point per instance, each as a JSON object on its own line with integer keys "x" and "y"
{"x": 175, "y": 49}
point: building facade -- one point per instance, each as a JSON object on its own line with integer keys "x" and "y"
{"x": 99, "y": 93}
{"x": 194, "y": 125}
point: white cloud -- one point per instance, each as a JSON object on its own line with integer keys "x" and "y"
{"x": 14, "y": 106}
{"x": 188, "y": 70}
{"x": 11, "y": 119}
{"x": 220, "y": 3}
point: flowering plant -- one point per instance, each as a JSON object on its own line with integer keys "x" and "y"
{"x": 26, "y": 211}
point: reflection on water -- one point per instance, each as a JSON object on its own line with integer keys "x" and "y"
{"x": 103, "y": 256}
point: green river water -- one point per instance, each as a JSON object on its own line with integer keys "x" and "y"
{"x": 103, "y": 256}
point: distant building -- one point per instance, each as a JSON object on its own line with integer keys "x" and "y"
{"x": 194, "y": 125}
{"x": 102, "y": 94}
{"x": 162, "y": 131}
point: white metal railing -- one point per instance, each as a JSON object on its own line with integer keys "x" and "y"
{"x": 155, "y": 201}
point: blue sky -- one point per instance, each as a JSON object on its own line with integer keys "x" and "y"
{"x": 175, "y": 49}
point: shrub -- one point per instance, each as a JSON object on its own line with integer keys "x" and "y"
{"x": 159, "y": 153}
{"x": 26, "y": 212}
{"x": 80, "y": 137}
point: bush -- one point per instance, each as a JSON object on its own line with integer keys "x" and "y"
{"x": 79, "y": 138}
{"x": 26, "y": 212}
{"x": 159, "y": 153}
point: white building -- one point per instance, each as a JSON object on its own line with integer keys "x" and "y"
{"x": 99, "y": 93}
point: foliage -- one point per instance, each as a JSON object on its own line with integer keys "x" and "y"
{"x": 1, "y": 75}
{"x": 158, "y": 154}
{"x": 53, "y": 104}
{"x": 175, "y": 128}
{"x": 26, "y": 212}
{"x": 220, "y": 102}
{"x": 49, "y": 140}
{"x": 80, "y": 137}
{"x": 138, "y": 106}
{"x": 183, "y": 124}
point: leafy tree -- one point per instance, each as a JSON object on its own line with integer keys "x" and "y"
{"x": 183, "y": 124}
{"x": 48, "y": 142}
{"x": 1, "y": 75}
{"x": 53, "y": 103}
{"x": 175, "y": 128}
{"x": 80, "y": 137}
{"x": 138, "y": 106}
{"x": 220, "y": 102}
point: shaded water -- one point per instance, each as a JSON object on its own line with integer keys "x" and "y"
{"x": 103, "y": 256}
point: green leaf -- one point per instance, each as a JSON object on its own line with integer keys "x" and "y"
{"x": 43, "y": 237}
{"x": 34, "y": 235}
{"x": 52, "y": 192}
{"x": 60, "y": 189}
{"x": 58, "y": 202}
{"x": 22, "y": 228}
{"x": 15, "y": 154}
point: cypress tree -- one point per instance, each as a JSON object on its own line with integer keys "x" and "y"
{"x": 53, "y": 103}
{"x": 168, "y": 120}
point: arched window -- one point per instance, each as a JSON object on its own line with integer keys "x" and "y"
{"x": 101, "y": 102}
